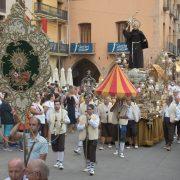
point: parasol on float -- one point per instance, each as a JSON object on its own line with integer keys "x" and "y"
{"x": 63, "y": 78}
{"x": 69, "y": 77}
{"x": 116, "y": 84}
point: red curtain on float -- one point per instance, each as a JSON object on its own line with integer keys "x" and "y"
{"x": 44, "y": 24}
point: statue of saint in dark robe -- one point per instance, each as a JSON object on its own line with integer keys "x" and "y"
{"x": 136, "y": 42}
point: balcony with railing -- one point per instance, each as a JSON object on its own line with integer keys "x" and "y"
{"x": 82, "y": 48}
{"x": 40, "y": 8}
{"x": 59, "y": 49}
{"x": 173, "y": 12}
{"x": 117, "y": 47}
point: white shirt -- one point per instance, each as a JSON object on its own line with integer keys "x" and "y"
{"x": 50, "y": 105}
{"x": 130, "y": 113}
{"x": 39, "y": 108}
{"x": 166, "y": 111}
{"x": 24, "y": 178}
{"x": 177, "y": 112}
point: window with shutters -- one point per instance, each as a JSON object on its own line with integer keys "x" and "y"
{"x": 3, "y": 6}
{"x": 121, "y": 25}
{"x": 85, "y": 32}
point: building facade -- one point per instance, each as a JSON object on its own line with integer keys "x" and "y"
{"x": 96, "y": 32}
{"x": 5, "y": 6}
{"x": 52, "y": 16}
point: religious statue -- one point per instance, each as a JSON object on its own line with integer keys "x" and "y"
{"x": 136, "y": 42}
{"x": 88, "y": 83}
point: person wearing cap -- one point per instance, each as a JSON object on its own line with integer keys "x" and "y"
{"x": 88, "y": 133}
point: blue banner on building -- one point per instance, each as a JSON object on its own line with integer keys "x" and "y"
{"x": 117, "y": 47}
{"x": 82, "y": 48}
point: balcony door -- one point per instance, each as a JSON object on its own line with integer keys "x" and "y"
{"x": 85, "y": 32}
{"x": 59, "y": 32}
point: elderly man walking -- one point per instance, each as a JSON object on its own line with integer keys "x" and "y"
{"x": 37, "y": 170}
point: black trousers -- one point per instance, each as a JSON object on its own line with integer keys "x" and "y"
{"x": 131, "y": 129}
{"x": 89, "y": 147}
{"x": 58, "y": 142}
{"x": 168, "y": 128}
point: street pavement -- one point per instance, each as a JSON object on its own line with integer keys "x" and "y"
{"x": 145, "y": 163}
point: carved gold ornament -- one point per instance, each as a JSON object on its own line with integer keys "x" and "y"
{"x": 24, "y": 59}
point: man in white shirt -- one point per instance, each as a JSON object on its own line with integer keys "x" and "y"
{"x": 58, "y": 118}
{"x": 168, "y": 122}
{"x": 106, "y": 122}
{"x": 88, "y": 128}
{"x": 88, "y": 99}
{"x": 133, "y": 115}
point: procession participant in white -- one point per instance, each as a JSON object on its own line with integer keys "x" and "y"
{"x": 133, "y": 115}
{"x": 168, "y": 126}
{"x": 88, "y": 99}
{"x": 120, "y": 121}
{"x": 88, "y": 128}
{"x": 58, "y": 118}
{"x": 106, "y": 122}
